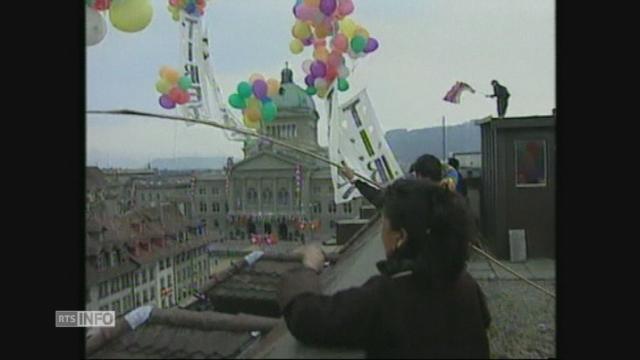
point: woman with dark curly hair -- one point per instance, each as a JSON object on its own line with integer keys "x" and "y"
{"x": 424, "y": 304}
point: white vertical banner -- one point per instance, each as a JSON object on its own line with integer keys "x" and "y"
{"x": 198, "y": 64}
{"x": 355, "y": 137}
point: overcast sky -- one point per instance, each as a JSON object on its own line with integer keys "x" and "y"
{"x": 425, "y": 47}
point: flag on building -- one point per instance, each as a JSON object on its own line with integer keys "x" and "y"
{"x": 453, "y": 96}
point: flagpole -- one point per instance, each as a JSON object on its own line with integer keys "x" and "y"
{"x": 444, "y": 139}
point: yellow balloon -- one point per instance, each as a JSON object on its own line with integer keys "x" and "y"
{"x": 362, "y": 32}
{"x": 348, "y": 27}
{"x": 273, "y": 87}
{"x": 255, "y": 77}
{"x": 130, "y": 15}
{"x": 254, "y": 104}
{"x": 296, "y": 46}
{"x": 314, "y": 3}
{"x": 301, "y": 30}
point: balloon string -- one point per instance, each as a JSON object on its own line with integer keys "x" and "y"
{"x": 230, "y": 128}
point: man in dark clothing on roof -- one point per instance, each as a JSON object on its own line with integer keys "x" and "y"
{"x": 502, "y": 94}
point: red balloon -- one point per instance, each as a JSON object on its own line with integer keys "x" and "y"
{"x": 102, "y": 5}
{"x": 175, "y": 94}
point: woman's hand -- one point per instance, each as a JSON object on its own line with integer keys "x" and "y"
{"x": 347, "y": 172}
{"x": 312, "y": 257}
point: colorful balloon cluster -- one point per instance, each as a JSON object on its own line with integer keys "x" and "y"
{"x": 125, "y": 15}
{"x": 173, "y": 88}
{"x": 318, "y": 20}
{"x": 254, "y": 98}
{"x": 191, "y": 7}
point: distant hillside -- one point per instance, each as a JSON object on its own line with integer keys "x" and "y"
{"x": 189, "y": 163}
{"x": 407, "y": 145}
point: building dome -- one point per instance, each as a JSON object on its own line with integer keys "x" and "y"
{"x": 291, "y": 96}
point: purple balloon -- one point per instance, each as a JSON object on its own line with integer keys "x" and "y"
{"x": 260, "y": 89}
{"x": 309, "y": 80}
{"x": 166, "y": 102}
{"x": 318, "y": 69}
{"x": 372, "y": 45}
{"x": 308, "y": 41}
{"x": 328, "y": 6}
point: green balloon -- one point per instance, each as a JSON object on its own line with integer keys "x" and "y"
{"x": 185, "y": 82}
{"x": 311, "y": 90}
{"x": 343, "y": 85}
{"x": 269, "y": 111}
{"x": 244, "y": 89}
{"x": 237, "y": 102}
{"x": 358, "y": 44}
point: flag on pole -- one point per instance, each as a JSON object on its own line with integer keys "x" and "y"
{"x": 453, "y": 96}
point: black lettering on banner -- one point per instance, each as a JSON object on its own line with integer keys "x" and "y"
{"x": 374, "y": 171}
{"x": 380, "y": 168}
{"x": 386, "y": 164}
{"x": 354, "y": 112}
{"x": 196, "y": 93}
{"x": 190, "y": 56}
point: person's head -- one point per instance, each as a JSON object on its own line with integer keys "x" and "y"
{"x": 427, "y": 166}
{"x": 494, "y": 82}
{"x": 455, "y": 163}
{"x": 428, "y": 225}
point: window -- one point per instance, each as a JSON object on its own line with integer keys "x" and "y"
{"x": 215, "y": 207}
{"x": 114, "y": 286}
{"x": 145, "y": 296}
{"x": 142, "y": 196}
{"x": 158, "y": 196}
{"x": 161, "y": 264}
{"x": 203, "y": 207}
{"x": 151, "y": 274}
{"x": 283, "y": 196}
{"x": 202, "y": 191}
{"x": 267, "y": 196}
{"x": 153, "y": 293}
{"x": 162, "y": 283}
{"x": 138, "y": 303}
{"x": 531, "y": 163}
{"x": 104, "y": 308}
{"x": 144, "y": 276}
{"x": 332, "y": 207}
{"x": 346, "y": 207}
{"x": 317, "y": 189}
{"x": 215, "y": 191}
{"x": 317, "y": 208}
{"x": 252, "y": 196}
{"x": 115, "y": 306}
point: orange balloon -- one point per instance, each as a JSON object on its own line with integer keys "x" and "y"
{"x": 273, "y": 86}
{"x": 322, "y": 31}
{"x": 321, "y": 54}
{"x": 253, "y": 115}
{"x": 171, "y": 75}
{"x": 255, "y": 77}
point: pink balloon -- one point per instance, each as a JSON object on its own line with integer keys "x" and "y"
{"x": 305, "y": 13}
{"x": 174, "y": 2}
{"x": 345, "y": 7}
{"x": 340, "y": 42}
{"x": 335, "y": 59}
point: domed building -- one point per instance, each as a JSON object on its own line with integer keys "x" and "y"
{"x": 274, "y": 188}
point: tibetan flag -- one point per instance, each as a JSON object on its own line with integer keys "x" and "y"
{"x": 453, "y": 96}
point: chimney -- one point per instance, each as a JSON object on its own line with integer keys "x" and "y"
{"x": 287, "y": 74}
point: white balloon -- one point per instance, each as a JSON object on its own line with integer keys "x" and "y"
{"x": 95, "y": 27}
{"x": 343, "y": 71}
{"x": 306, "y": 66}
